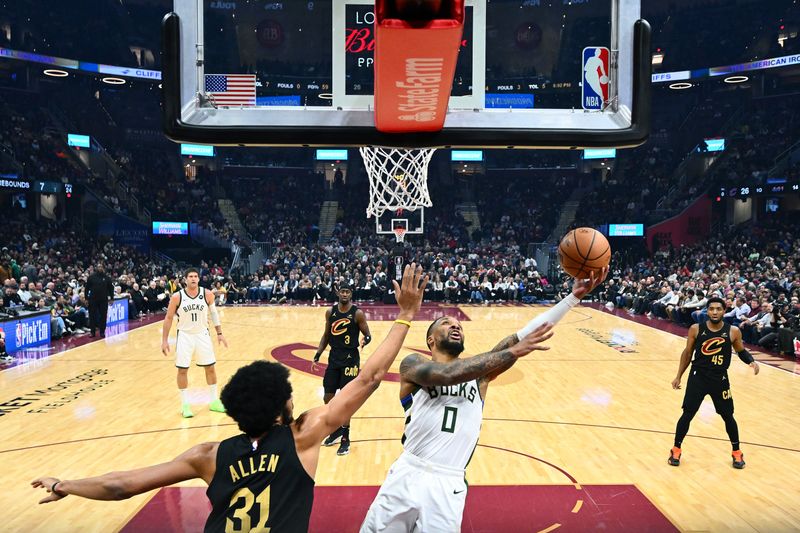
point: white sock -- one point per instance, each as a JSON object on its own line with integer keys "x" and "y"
{"x": 213, "y": 390}
{"x": 184, "y": 396}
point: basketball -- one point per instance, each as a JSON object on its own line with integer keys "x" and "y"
{"x": 583, "y": 251}
{"x": 418, "y": 9}
{"x": 603, "y": 79}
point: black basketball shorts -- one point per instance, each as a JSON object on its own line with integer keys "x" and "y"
{"x": 337, "y": 378}
{"x": 718, "y": 387}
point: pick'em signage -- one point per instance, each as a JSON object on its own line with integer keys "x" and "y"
{"x": 27, "y": 332}
{"x": 117, "y": 311}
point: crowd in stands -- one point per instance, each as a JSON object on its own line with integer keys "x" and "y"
{"x": 44, "y": 266}
{"x": 488, "y": 266}
{"x": 768, "y": 128}
{"x": 754, "y": 269}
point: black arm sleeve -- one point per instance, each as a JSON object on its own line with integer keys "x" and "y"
{"x": 745, "y": 356}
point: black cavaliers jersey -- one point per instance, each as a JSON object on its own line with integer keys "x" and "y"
{"x": 343, "y": 337}
{"x": 713, "y": 349}
{"x": 266, "y": 489}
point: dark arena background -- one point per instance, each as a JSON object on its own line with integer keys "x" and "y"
{"x": 101, "y": 215}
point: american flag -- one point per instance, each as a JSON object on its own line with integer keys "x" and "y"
{"x": 231, "y": 89}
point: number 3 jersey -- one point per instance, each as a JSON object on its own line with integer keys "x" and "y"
{"x": 261, "y": 489}
{"x": 443, "y": 423}
{"x": 343, "y": 337}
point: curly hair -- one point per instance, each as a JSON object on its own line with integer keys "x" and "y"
{"x": 256, "y": 395}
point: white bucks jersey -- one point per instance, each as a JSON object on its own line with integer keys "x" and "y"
{"x": 192, "y": 312}
{"x": 443, "y": 423}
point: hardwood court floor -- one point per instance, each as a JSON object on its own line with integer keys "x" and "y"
{"x": 596, "y": 410}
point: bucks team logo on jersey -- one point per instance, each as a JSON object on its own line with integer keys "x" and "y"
{"x": 466, "y": 390}
{"x": 188, "y": 308}
{"x": 339, "y": 327}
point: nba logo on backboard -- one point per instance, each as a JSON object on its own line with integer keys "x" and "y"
{"x": 595, "y": 77}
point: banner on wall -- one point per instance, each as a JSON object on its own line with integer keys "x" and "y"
{"x": 26, "y": 332}
{"x": 693, "y": 224}
{"x": 124, "y": 230}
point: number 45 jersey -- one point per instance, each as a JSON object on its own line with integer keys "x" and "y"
{"x": 712, "y": 350}
{"x": 443, "y": 423}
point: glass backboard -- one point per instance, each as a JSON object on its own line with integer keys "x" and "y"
{"x": 529, "y": 73}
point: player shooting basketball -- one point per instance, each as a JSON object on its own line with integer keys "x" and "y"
{"x": 426, "y": 488}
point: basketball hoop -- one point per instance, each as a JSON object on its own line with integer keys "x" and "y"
{"x": 399, "y": 234}
{"x": 398, "y": 179}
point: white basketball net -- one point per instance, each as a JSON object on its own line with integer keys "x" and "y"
{"x": 398, "y": 178}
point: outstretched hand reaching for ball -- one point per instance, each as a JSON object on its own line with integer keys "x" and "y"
{"x": 582, "y": 287}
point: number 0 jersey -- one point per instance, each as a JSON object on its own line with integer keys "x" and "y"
{"x": 192, "y": 312}
{"x": 443, "y": 423}
{"x": 261, "y": 489}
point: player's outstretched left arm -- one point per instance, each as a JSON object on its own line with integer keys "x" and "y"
{"x": 580, "y": 288}
{"x": 197, "y": 462}
{"x": 214, "y": 314}
{"x": 741, "y": 351}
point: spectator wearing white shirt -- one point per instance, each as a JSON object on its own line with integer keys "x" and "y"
{"x": 738, "y": 313}
{"x": 758, "y": 326}
{"x": 677, "y": 297}
{"x": 24, "y": 293}
{"x": 499, "y": 289}
{"x": 659, "y": 306}
{"x": 698, "y": 301}
{"x": 451, "y": 289}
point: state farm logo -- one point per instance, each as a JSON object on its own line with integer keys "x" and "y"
{"x": 420, "y": 88}
{"x": 422, "y": 116}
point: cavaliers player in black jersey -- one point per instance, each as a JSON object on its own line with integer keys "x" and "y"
{"x": 712, "y": 343}
{"x": 262, "y": 479}
{"x": 343, "y": 322}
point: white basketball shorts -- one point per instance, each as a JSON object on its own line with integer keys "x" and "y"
{"x": 418, "y": 496}
{"x": 197, "y": 344}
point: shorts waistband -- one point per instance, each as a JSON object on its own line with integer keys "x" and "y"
{"x": 423, "y": 464}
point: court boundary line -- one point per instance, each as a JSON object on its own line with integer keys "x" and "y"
{"x": 517, "y": 420}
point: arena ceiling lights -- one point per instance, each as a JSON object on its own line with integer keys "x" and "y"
{"x": 736, "y": 79}
{"x": 681, "y": 85}
{"x": 55, "y": 73}
{"x": 114, "y": 81}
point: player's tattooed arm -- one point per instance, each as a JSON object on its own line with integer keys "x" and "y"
{"x": 417, "y": 369}
{"x": 420, "y": 371}
{"x": 504, "y": 344}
